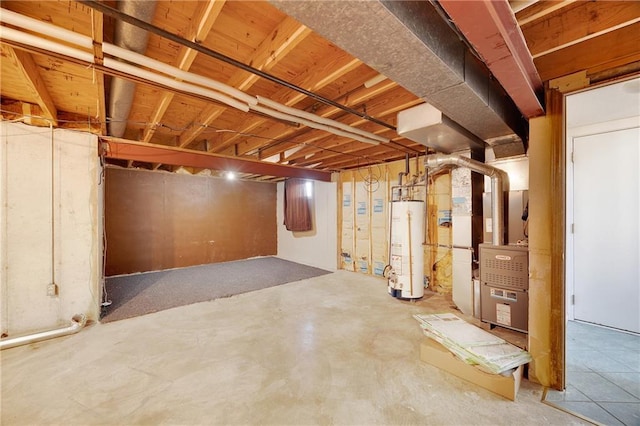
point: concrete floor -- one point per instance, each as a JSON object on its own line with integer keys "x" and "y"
{"x": 334, "y": 349}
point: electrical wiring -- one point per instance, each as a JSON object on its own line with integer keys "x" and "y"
{"x": 373, "y": 181}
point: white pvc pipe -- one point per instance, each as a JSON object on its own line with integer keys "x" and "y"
{"x": 308, "y": 123}
{"x": 77, "y": 323}
{"x": 286, "y": 113}
{"x": 52, "y": 46}
{"x": 179, "y": 85}
{"x": 13, "y": 18}
{"x": 322, "y": 120}
{"x": 176, "y": 72}
{"x": 54, "y": 31}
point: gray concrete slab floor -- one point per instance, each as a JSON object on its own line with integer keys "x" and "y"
{"x": 335, "y": 349}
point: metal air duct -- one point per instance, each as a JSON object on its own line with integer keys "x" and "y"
{"x": 135, "y": 39}
{"x": 498, "y": 179}
{"x": 411, "y": 44}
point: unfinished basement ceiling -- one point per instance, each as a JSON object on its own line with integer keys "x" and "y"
{"x": 311, "y": 46}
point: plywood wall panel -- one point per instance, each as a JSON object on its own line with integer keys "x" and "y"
{"x": 158, "y": 220}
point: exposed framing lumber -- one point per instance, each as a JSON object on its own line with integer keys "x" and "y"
{"x": 355, "y": 98}
{"x": 540, "y": 10}
{"x": 123, "y": 149}
{"x": 492, "y": 30}
{"x": 334, "y": 143}
{"x": 29, "y": 69}
{"x": 275, "y": 47}
{"x": 315, "y": 80}
{"x": 578, "y": 23}
{"x": 206, "y": 16}
{"x": 604, "y": 49}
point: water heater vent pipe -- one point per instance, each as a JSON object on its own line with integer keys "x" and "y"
{"x": 498, "y": 182}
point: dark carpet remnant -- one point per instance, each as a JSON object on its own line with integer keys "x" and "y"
{"x": 140, "y": 294}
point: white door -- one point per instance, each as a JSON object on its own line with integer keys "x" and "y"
{"x": 606, "y": 228}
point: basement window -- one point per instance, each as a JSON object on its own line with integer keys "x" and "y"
{"x": 298, "y": 196}
{"x": 308, "y": 189}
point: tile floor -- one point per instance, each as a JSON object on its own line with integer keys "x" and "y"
{"x": 603, "y": 375}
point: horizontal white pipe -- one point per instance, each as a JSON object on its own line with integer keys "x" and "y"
{"x": 289, "y": 114}
{"x": 54, "y": 31}
{"x": 176, "y": 72}
{"x": 77, "y": 323}
{"x": 178, "y": 85}
{"x": 13, "y": 18}
{"x": 309, "y": 123}
{"x": 7, "y": 33}
{"x": 322, "y": 120}
{"x": 52, "y": 46}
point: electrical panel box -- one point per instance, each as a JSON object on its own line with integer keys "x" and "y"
{"x": 514, "y": 209}
{"x": 504, "y": 282}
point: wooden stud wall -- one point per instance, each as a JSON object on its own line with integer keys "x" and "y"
{"x": 363, "y": 212}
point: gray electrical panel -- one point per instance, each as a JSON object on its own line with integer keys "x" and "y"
{"x": 504, "y": 286}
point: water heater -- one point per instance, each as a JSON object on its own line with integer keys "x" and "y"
{"x": 406, "y": 255}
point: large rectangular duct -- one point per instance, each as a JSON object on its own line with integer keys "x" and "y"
{"x": 410, "y": 43}
{"x": 427, "y": 125}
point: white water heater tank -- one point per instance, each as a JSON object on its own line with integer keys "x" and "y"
{"x": 406, "y": 280}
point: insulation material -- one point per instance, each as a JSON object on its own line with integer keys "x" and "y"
{"x": 379, "y": 223}
{"x": 346, "y": 242}
{"x": 438, "y": 258}
{"x": 363, "y": 223}
{"x": 472, "y": 344}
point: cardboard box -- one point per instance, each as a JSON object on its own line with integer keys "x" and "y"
{"x": 435, "y": 354}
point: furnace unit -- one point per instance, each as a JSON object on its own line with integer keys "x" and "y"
{"x": 504, "y": 282}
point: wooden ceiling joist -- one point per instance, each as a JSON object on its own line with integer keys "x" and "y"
{"x": 315, "y": 79}
{"x": 539, "y": 10}
{"x": 24, "y": 61}
{"x": 257, "y": 48}
{"x": 578, "y": 23}
{"x": 607, "y": 48}
{"x": 289, "y": 34}
{"x": 206, "y": 16}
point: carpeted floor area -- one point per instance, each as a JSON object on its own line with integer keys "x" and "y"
{"x": 140, "y": 294}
